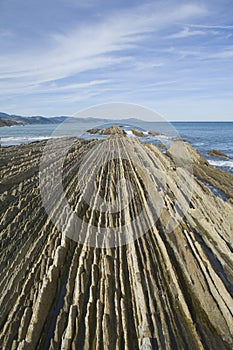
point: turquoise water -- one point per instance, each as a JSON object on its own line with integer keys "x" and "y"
{"x": 204, "y": 136}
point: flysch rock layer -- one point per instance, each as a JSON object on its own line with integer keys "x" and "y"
{"x": 165, "y": 290}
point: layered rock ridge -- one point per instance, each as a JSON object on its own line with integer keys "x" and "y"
{"x": 169, "y": 287}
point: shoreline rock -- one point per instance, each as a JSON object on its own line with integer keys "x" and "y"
{"x": 93, "y": 131}
{"x": 137, "y": 132}
{"x": 153, "y": 292}
{"x": 155, "y": 133}
{"x": 112, "y": 130}
{"x": 218, "y": 154}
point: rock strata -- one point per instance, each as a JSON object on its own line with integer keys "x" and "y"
{"x": 154, "y": 133}
{"x": 137, "y": 132}
{"x": 113, "y": 130}
{"x": 218, "y": 178}
{"x": 93, "y": 131}
{"x": 218, "y": 154}
{"x": 165, "y": 290}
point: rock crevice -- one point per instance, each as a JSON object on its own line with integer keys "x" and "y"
{"x": 167, "y": 289}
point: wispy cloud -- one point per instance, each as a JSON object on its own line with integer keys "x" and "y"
{"x": 206, "y": 26}
{"x": 53, "y": 87}
{"x": 90, "y": 47}
{"x": 224, "y": 54}
{"x": 186, "y": 32}
{"x": 97, "y": 53}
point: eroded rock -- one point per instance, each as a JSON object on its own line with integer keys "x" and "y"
{"x": 218, "y": 154}
{"x": 164, "y": 290}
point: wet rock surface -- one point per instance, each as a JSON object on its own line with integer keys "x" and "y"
{"x": 165, "y": 290}
{"x": 217, "y": 178}
{"x": 112, "y": 130}
{"x": 218, "y": 154}
{"x": 93, "y": 131}
{"x": 137, "y": 132}
{"x": 155, "y": 133}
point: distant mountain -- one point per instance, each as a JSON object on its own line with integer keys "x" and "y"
{"x": 9, "y": 120}
{"x": 12, "y": 119}
{"x": 105, "y": 120}
{"x": 4, "y": 115}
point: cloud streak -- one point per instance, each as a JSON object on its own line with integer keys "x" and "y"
{"x": 90, "y": 47}
{"x": 185, "y": 33}
{"x": 118, "y": 54}
{"x": 206, "y": 26}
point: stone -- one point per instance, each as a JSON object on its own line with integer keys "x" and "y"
{"x": 149, "y": 293}
{"x": 218, "y": 154}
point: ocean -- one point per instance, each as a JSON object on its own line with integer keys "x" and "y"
{"x": 203, "y": 136}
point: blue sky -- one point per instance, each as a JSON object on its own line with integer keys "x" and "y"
{"x": 60, "y": 56}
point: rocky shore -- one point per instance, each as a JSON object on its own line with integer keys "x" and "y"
{"x": 218, "y": 154}
{"x": 112, "y": 130}
{"x": 168, "y": 289}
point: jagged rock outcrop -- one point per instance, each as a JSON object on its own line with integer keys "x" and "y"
{"x": 218, "y": 154}
{"x": 215, "y": 177}
{"x": 93, "y": 131}
{"x": 154, "y": 133}
{"x": 168, "y": 289}
{"x": 113, "y": 130}
{"x": 137, "y": 132}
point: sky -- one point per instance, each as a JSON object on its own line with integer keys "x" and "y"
{"x": 60, "y": 56}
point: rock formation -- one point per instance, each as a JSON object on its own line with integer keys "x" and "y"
{"x": 165, "y": 290}
{"x": 218, "y": 154}
{"x": 111, "y": 130}
{"x": 154, "y": 133}
{"x": 137, "y": 132}
{"x": 93, "y": 131}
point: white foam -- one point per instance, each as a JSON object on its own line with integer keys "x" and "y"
{"x": 16, "y": 140}
{"x": 221, "y": 163}
{"x": 198, "y": 144}
{"x": 24, "y": 138}
{"x": 129, "y": 132}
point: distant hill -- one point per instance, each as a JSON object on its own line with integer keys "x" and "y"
{"x": 12, "y": 119}
{"x": 9, "y": 120}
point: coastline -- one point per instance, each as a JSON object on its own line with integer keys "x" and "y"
{"x": 203, "y": 136}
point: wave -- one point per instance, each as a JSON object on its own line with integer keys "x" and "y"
{"x": 198, "y": 144}
{"x": 24, "y": 138}
{"x": 130, "y": 133}
{"x": 17, "y": 140}
{"x": 221, "y": 163}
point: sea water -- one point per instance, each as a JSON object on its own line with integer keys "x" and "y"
{"x": 203, "y": 136}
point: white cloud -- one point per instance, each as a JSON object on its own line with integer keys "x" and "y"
{"x": 121, "y": 55}
{"x": 225, "y": 54}
{"x": 140, "y": 65}
{"x": 206, "y": 26}
{"x": 90, "y": 47}
{"x": 186, "y": 32}
{"x": 6, "y": 87}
